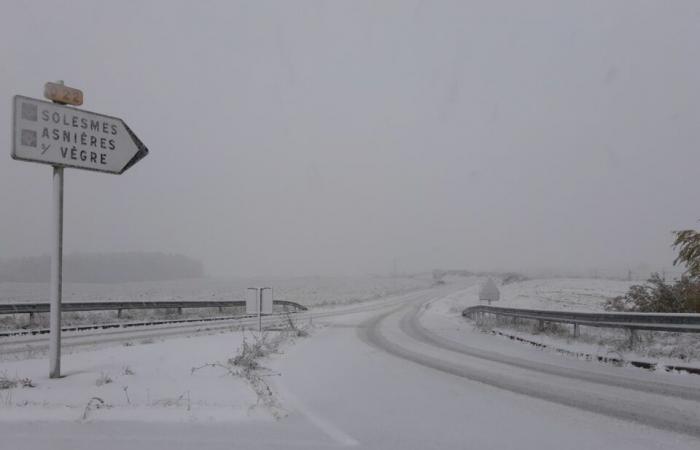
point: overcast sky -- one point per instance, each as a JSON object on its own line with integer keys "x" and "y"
{"x": 311, "y": 137}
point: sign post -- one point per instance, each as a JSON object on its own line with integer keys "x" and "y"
{"x": 56, "y": 275}
{"x": 51, "y": 91}
{"x": 56, "y": 288}
{"x": 63, "y": 136}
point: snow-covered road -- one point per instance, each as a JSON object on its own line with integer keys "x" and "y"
{"x": 660, "y": 404}
{"x": 397, "y": 374}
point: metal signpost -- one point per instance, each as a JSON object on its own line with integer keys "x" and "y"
{"x": 63, "y": 136}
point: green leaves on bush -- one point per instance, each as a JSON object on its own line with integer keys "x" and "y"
{"x": 683, "y": 296}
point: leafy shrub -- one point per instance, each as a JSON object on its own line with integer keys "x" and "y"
{"x": 688, "y": 243}
{"x": 683, "y": 296}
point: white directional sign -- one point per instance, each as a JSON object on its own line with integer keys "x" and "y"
{"x": 489, "y": 292}
{"x": 252, "y": 299}
{"x": 63, "y": 136}
{"x": 60, "y": 135}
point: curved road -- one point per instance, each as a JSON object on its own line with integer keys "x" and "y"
{"x": 653, "y": 403}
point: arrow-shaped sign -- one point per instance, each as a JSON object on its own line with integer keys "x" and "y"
{"x": 76, "y": 138}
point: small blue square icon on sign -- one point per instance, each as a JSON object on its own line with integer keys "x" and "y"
{"x": 29, "y": 138}
{"x": 29, "y": 112}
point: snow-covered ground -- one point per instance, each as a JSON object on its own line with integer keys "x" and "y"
{"x": 346, "y": 385}
{"x": 572, "y": 294}
{"x": 309, "y": 291}
{"x": 575, "y": 294}
{"x": 144, "y": 380}
{"x": 145, "y": 376}
{"x": 304, "y": 290}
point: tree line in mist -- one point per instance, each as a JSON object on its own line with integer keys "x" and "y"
{"x": 103, "y": 268}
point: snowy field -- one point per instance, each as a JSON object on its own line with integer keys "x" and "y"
{"x": 308, "y": 291}
{"x": 571, "y": 294}
{"x": 305, "y": 290}
{"x": 574, "y": 294}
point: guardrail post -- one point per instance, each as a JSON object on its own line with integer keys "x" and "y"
{"x": 119, "y": 314}
{"x": 179, "y": 311}
{"x": 577, "y": 331}
{"x": 540, "y": 325}
{"x": 633, "y": 337}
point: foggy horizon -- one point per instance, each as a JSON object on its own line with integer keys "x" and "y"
{"x": 305, "y": 138}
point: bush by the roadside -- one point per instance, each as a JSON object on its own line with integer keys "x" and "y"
{"x": 681, "y": 296}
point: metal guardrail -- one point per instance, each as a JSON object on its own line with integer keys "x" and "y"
{"x": 681, "y": 323}
{"x": 31, "y": 308}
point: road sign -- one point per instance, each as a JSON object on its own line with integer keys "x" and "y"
{"x": 63, "y": 136}
{"x": 252, "y": 301}
{"x": 62, "y": 94}
{"x": 256, "y": 302}
{"x": 266, "y": 295}
{"x": 489, "y": 292}
{"x": 252, "y": 298}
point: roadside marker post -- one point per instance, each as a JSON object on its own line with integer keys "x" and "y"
{"x": 64, "y": 136}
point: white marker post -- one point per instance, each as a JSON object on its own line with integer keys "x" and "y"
{"x": 62, "y": 136}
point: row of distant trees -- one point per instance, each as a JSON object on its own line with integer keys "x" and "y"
{"x": 103, "y": 268}
{"x": 506, "y": 278}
